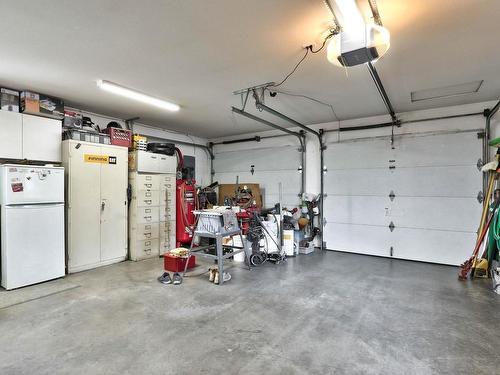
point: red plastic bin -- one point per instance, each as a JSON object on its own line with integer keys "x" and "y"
{"x": 176, "y": 264}
{"x": 119, "y": 137}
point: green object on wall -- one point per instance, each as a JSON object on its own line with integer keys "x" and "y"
{"x": 495, "y": 142}
{"x": 494, "y": 237}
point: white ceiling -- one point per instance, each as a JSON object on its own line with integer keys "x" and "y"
{"x": 196, "y": 53}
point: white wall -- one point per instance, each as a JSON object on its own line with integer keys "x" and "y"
{"x": 275, "y": 169}
{"x": 202, "y": 158}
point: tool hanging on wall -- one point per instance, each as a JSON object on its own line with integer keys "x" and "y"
{"x": 207, "y": 196}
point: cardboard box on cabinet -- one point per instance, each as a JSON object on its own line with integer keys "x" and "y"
{"x": 30, "y": 102}
{"x": 9, "y": 100}
{"x": 42, "y": 105}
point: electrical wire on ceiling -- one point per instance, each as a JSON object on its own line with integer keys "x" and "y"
{"x": 293, "y": 70}
{"x": 324, "y": 42}
{"x": 309, "y": 48}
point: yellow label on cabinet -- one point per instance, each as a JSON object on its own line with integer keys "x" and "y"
{"x": 101, "y": 159}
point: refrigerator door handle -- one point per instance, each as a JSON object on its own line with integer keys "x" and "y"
{"x": 31, "y": 205}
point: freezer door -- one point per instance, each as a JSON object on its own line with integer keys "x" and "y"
{"x": 32, "y": 244}
{"x": 32, "y": 184}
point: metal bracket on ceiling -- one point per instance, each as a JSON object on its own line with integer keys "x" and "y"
{"x": 256, "y": 87}
{"x": 245, "y": 93}
{"x": 375, "y": 13}
{"x": 335, "y": 20}
{"x": 258, "y": 95}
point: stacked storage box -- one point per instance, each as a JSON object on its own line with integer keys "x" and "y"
{"x": 152, "y": 208}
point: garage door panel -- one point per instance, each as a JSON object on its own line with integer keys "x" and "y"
{"x": 357, "y": 182}
{"x": 435, "y": 182}
{"x": 290, "y": 182}
{"x": 357, "y": 210}
{"x": 275, "y": 170}
{"x": 230, "y": 178}
{"x": 288, "y": 200}
{"x": 457, "y": 181}
{"x": 444, "y": 247}
{"x": 460, "y": 149}
{"x": 342, "y": 155}
{"x": 434, "y": 212}
{"x": 281, "y": 158}
{"x": 352, "y": 238}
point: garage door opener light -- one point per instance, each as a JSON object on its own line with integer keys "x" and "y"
{"x": 135, "y": 95}
{"x": 361, "y": 39}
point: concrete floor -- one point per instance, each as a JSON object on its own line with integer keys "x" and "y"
{"x": 324, "y": 313}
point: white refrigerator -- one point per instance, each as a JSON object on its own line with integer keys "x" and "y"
{"x": 32, "y": 224}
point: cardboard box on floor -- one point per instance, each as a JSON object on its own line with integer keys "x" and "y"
{"x": 228, "y": 190}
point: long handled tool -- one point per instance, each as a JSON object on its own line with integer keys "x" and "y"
{"x": 465, "y": 268}
{"x": 486, "y": 203}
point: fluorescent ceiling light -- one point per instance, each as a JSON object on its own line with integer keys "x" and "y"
{"x": 446, "y": 91}
{"x": 135, "y": 95}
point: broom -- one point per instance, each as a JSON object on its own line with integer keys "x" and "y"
{"x": 465, "y": 268}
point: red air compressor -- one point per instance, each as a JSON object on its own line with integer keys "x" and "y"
{"x": 186, "y": 203}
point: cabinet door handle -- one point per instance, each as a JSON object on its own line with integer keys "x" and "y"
{"x": 147, "y": 201}
{"x": 148, "y": 218}
{"x": 147, "y": 210}
{"x": 147, "y": 235}
{"x": 148, "y": 194}
{"x": 148, "y": 243}
{"x": 148, "y": 185}
{"x": 147, "y": 251}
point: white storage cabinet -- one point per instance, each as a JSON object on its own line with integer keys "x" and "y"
{"x": 152, "y": 179}
{"x": 29, "y": 137}
{"x": 96, "y": 196}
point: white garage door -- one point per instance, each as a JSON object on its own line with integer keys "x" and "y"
{"x": 274, "y": 169}
{"x": 434, "y": 211}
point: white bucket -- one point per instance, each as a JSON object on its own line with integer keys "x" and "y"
{"x": 240, "y": 257}
{"x": 288, "y": 243}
